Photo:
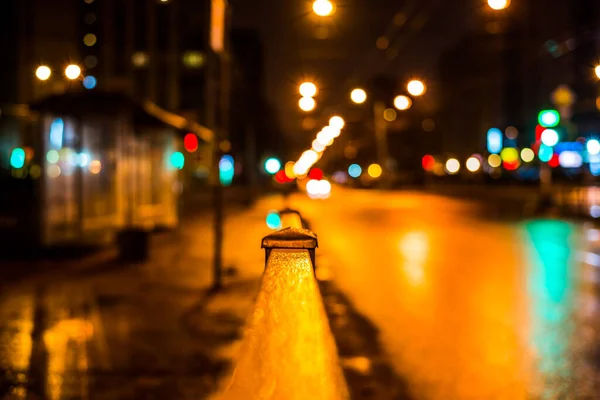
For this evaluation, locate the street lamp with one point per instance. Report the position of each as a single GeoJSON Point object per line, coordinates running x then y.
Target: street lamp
{"type": "Point", "coordinates": [308, 89]}
{"type": "Point", "coordinates": [358, 96]}
{"type": "Point", "coordinates": [416, 87]}
{"type": "Point", "coordinates": [402, 102]}
{"type": "Point", "coordinates": [323, 8]}
{"type": "Point", "coordinates": [498, 5]}
{"type": "Point", "coordinates": [43, 72]}
{"type": "Point", "coordinates": [72, 71]}
{"type": "Point", "coordinates": [337, 122]}
{"type": "Point", "coordinates": [307, 104]}
{"type": "Point", "coordinates": [597, 70]}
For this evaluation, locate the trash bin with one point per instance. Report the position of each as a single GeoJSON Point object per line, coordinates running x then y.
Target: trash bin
{"type": "Point", "coordinates": [134, 245]}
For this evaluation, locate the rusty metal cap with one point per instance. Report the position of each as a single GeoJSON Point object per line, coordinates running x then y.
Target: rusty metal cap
{"type": "Point", "coordinates": [290, 238]}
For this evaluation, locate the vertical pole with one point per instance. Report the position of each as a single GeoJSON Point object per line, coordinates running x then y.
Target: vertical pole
{"type": "Point", "coordinates": [217, 189]}
{"type": "Point", "coordinates": [221, 126]}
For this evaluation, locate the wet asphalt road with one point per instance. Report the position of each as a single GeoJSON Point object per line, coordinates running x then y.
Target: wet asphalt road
{"type": "Point", "coordinates": [468, 306]}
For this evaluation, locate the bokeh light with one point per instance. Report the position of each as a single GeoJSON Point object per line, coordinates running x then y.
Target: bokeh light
{"type": "Point", "coordinates": [43, 72]}
{"type": "Point", "coordinates": [308, 89]}
{"type": "Point", "coordinates": [226, 169]}
{"type": "Point", "coordinates": [312, 186]}
{"type": "Point", "coordinates": [570, 159]}
{"type": "Point", "coordinates": [72, 71]}
{"type": "Point", "coordinates": [323, 8]}
{"type": "Point", "coordinates": [273, 220]}
{"type": "Point", "coordinates": [498, 4]}
{"type": "Point", "coordinates": [354, 170]}
{"type": "Point", "coordinates": [17, 158]}
{"type": "Point", "coordinates": [511, 132]}
{"type": "Point", "coordinates": [494, 160]}
{"type": "Point", "coordinates": [593, 146]}
{"type": "Point", "coordinates": [318, 146]}
{"type": "Point", "coordinates": [452, 166]}
{"type": "Point", "coordinates": [89, 39]}
{"type": "Point", "coordinates": [289, 169]}
{"type": "Point", "coordinates": [549, 118]}
{"type": "Point", "coordinates": [390, 114]}
{"type": "Point", "coordinates": [52, 156]}
{"type": "Point", "coordinates": [325, 137]}
{"type": "Point", "coordinates": [307, 104]}
{"type": "Point", "coordinates": [494, 140]}
{"type": "Point", "coordinates": [428, 162]}
{"type": "Point", "coordinates": [337, 122]}
{"type": "Point", "coordinates": [509, 154]}
{"type": "Point", "coordinates": [177, 160]}
{"type": "Point", "coordinates": [545, 153]}
{"type": "Point", "coordinates": [473, 164]}
{"type": "Point", "coordinates": [95, 167]}
{"type": "Point", "coordinates": [374, 171]}
{"type": "Point", "coordinates": [550, 137]}
{"type": "Point", "coordinates": [416, 87]}
{"type": "Point", "coordinates": [402, 102]}
{"type": "Point", "coordinates": [358, 96]}
{"type": "Point", "coordinates": [597, 71]}
{"type": "Point", "coordinates": [190, 142]}
{"type": "Point", "coordinates": [527, 155]}
{"type": "Point", "coordinates": [315, 173]}
{"type": "Point", "coordinates": [272, 165]}
{"type": "Point", "coordinates": [89, 82]}
{"type": "Point", "coordinates": [53, 171]}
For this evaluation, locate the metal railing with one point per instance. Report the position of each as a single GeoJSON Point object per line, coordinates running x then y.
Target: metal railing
{"type": "Point", "coordinates": [288, 351]}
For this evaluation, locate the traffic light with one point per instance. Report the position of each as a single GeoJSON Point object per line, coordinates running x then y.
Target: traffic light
{"type": "Point", "coordinates": [226, 170]}
{"type": "Point", "coordinates": [190, 142]}
{"type": "Point", "coordinates": [177, 160]}
{"type": "Point", "coordinates": [17, 158]}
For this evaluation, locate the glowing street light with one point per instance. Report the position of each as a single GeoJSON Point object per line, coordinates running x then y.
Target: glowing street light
{"type": "Point", "coordinates": [43, 72]}
{"type": "Point", "coordinates": [498, 5]}
{"type": "Point", "coordinates": [597, 70]}
{"type": "Point", "coordinates": [416, 87]}
{"type": "Point", "coordinates": [72, 71]}
{"type": "Point", "coordinates": [323, 8]}
{"type": "Point", "coordinates": [402, 102]}
{"type": "Point", "coordinates": [473, 164]}
{"type": "Point", "coordinates": [337, 122]}
{"type": "Point", "coordinates": [452, 166]}
{"type": "Point", "coordinates": [308, 89]}
{"type": "Point", "coordinates": [307, 104]}
{"type": "Point", "coordinates": [358, 96]}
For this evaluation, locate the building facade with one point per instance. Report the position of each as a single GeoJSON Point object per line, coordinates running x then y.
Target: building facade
{"type": "Point", "coordinates": [150, 49]}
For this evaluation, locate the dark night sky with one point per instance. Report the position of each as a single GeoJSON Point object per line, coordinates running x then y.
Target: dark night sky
{"type": "Point", "coordinates": [349, 55]}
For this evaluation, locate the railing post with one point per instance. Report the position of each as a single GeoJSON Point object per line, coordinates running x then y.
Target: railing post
{"type": "Point", "coordinates": [291, 238]}
{"type": "Point", "coordinates": [288, 351]}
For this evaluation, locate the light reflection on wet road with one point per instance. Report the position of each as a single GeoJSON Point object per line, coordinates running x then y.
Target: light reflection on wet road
{"type": "Point", "coordinates": [468, 307]}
